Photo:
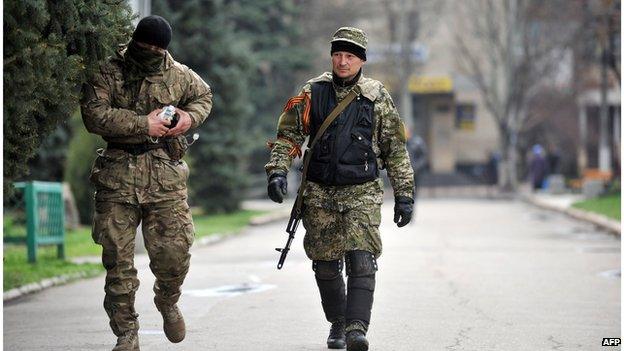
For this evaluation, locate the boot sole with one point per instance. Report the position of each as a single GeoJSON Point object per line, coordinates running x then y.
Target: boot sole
{"type": "Point", "coordinates": [358, 346]}
{"type": "Point", "coordinates": [174, 339]}
{"type": "Point", "coordinates": [336, 345]}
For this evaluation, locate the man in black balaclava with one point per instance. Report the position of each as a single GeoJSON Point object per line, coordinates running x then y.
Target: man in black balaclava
{"type": "Point", "coordinates": [140, 177]}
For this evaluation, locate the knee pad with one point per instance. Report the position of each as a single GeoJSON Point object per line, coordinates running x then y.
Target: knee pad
{"type": "Point", "coordinates": [327, 270]}
{"type": "Point", "coordinates": [360, 263]}
{"type": "Point", "coordinates": [361, 268]}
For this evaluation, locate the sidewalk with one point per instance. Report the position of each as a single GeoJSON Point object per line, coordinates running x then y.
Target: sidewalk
{"type": "Point", "coordinates": [468, 274]}
{"type": "Point", "coordinates": [563, 203]}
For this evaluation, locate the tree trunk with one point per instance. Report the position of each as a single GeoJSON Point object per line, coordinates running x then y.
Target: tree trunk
{"type": "Point", "coordinates": [405, 104]}
{"type": "Point", "coordinates": [508, 179]}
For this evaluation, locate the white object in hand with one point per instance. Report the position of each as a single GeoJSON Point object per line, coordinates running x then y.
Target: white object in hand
{"type": "Point", "coordinates": [167, 113]}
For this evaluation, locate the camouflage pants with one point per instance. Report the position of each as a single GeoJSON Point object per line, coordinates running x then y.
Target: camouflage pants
{"type": "Point", "coordinates": [331, 233]}
{"type": "Point", "coordinates": [168, 234]}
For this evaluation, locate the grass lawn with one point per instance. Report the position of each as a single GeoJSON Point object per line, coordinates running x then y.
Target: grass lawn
{"type": "Point", "coordinates": [18, 272]}
{"type": "Point", "coordinates": [223, 223]}
{"type": "Point", "coordinates": [608, 205]}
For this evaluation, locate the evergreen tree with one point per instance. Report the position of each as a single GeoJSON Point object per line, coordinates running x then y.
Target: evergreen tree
{"type": "Point", "coordinates": [49, 161]}
{"type": "Point", "coordinates": [279, 54]}
{"type": "Point", "coordinates": [49, 46]}
{"type": "Point", "coordinates": [80, 151]}
{"type": "Point", "coordinates": [204, 40]}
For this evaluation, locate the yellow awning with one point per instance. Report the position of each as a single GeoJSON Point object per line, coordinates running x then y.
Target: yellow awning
{"type": "Point", "coordinates": [430, 85]}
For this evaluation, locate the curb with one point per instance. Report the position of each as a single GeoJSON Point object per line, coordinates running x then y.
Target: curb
{"type": "Point", "coordinates": [601, 221]}
{"type": "Point", "coordinates": [66, 278]}
{"type": "Point", "coordinates": [271, 217]}
{"type": "Point", "coordinates": [47, 283]}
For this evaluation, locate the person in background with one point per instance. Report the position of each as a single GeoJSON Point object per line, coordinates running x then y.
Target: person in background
{"type": "Point", "coordinates": [538, 167]}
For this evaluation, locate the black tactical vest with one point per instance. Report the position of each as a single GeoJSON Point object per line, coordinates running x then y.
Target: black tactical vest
{"type": "Point", "coordinates": [344, 155]}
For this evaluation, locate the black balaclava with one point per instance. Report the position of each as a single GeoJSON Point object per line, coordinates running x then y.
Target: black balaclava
{"type": "Point", "coordinates": [153, 30]}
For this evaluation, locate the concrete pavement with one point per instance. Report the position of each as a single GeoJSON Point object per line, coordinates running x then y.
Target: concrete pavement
{"type": "Point", "coordinates": [563, 203]}
{"type": "Point", "coordinates": [468, 275]}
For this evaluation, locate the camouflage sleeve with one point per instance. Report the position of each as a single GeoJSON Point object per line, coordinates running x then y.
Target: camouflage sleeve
{"type": "Point", "coordinates": [102, 119]}
{"type": "Point", "coordinates": [393, 151]}
{"type": "Point", "coordinates": [197, 99]}
{"type": "Point", "coordinates": [290, 136]}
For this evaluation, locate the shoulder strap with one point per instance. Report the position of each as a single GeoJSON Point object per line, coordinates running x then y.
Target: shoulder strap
{"type": "Point", "coordinates": [306, 158]}
{"type": "Point", "coordinates": [333, 115]}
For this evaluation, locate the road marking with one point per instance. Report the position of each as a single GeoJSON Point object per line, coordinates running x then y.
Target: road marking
{"type": "Point", "coordinates": [229, 290]}
{"type": "Point", "coordinates": [151, 332]}
{"type": "Point", "coordinates": [613, 273]}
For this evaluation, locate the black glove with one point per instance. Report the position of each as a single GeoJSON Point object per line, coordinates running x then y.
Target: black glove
{"type": "Point", "coordinates": [277, 187]}
{"type": "Point", "coordinates": [403, 208]}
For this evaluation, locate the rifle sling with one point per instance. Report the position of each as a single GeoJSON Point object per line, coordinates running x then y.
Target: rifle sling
{"type": "Point", "coordinates": [306, 159]}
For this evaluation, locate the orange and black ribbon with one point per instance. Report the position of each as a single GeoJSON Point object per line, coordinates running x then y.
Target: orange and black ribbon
{"type": "Point", "coordinates": [305, 119]}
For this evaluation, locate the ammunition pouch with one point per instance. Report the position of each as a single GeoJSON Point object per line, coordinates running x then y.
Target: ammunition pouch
{"type": "Point", "coordinates": [176, 147]}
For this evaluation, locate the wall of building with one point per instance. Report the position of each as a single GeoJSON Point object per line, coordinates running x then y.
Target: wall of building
{"type": "Point", "coordinates": [141, 7]}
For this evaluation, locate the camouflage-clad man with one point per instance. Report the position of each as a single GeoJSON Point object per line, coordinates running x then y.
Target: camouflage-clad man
{"type": "Point", "coordinates": [343, 194]}
{"type": "Point", "coordinates": [139, 177]}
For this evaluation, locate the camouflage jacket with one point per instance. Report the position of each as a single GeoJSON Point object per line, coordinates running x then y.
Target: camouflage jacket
{"type": "Point", "coordinates": [388, 144]}
{"type": "Point", "coordinates": [119, 114]}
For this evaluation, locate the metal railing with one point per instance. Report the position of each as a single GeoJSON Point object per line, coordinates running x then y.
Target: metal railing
{"type": "Point", "coordinates": [45, 217]}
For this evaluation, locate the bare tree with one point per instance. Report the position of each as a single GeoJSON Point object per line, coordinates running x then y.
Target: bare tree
{"type": "Point", "coordinates": [408, 21]}
{"type": "Point", "coordinates": [508, 48]}
{"type": "Point", "coordinates": [319, 20]}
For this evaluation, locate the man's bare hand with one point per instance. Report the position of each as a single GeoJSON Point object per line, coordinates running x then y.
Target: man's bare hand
{"type": "Point", "coordinates": [184, 123]}
{"type": "Point", "coordinates": [157, 127]}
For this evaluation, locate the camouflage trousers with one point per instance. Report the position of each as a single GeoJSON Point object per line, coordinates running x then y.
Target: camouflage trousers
{"type": "Point", "coordinates": [147, 189]}
{"type": "Point", "coordinates": [168, 234]}
{"type": "Point", "coordinates": [329, 234]}
{"type": "Point", "coordinates": [338, 219]}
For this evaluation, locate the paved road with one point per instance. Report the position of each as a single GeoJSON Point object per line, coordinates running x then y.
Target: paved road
{"type": "Point", "coordinates": [469, 275]}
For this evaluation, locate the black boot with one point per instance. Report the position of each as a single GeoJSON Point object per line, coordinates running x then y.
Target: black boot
{"type": "Point", "coordinates": [331, 285]}
{"type": "Point", "coordinates": [361, 268]}
{"type": "Point", "coordinates": [356, 341]}
{"type": "Point", "coordinates": [336, 339]}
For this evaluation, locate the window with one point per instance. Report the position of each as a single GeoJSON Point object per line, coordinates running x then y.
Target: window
{"type": "Point", "coordinates": [465, 116]}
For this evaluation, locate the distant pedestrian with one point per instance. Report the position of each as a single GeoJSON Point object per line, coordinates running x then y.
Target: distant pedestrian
{"type": "Point", "coordinates": [418, 156]}
{"type": "Point", "coordinates": [554, 159]}
{"type": "Point", "coordinates": [491, 169]}
{"type": "Point", "coordinates": [538, 167]}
